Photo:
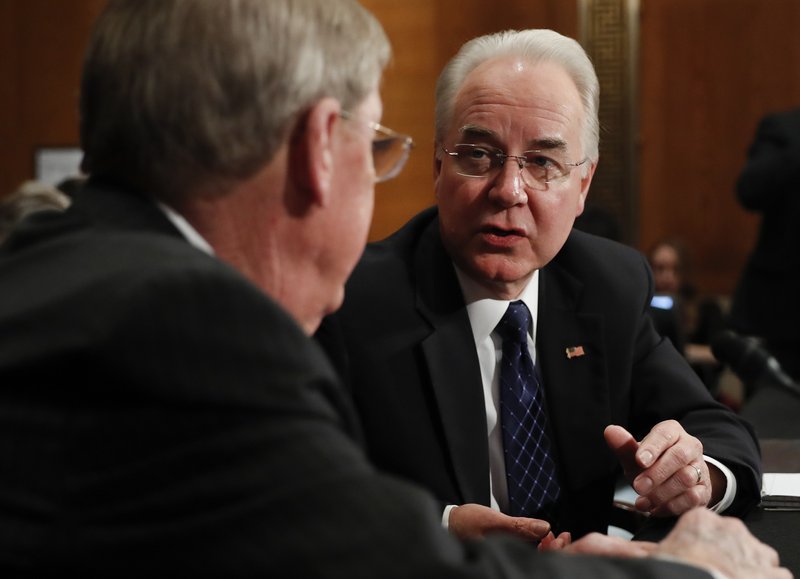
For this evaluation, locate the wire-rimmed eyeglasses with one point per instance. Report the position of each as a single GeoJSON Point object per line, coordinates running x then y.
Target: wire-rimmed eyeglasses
{"type": "Point", "coordinates": [539, 168]}
{"type": "Point", "coordinates": [390, 149]}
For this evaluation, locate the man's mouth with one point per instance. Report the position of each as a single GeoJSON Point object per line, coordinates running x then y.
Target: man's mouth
{"type": "Point", "coordinates": [500, 232]}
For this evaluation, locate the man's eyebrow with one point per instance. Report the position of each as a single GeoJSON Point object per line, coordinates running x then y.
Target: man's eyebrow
{"type": "Point", "coordinates": [547, 144]}
{"type": "Point", "coordinates": [475, 132]}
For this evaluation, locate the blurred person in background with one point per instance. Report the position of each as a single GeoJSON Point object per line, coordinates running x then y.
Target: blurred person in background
{"type": "Point", "coordinates": [766, 303]}
{"type": "Point", "coordinates": [681, 312]}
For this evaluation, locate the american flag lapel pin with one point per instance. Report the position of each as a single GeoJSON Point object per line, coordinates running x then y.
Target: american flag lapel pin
{"type": "Point", "coordinates": [574, 352]}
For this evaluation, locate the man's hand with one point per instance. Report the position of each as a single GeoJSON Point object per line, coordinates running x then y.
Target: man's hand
{"type": "Point", "coordinates": [473, 521]}
{"type": "Point", "coordinates": [601, 545]}
{"type": "Point", "coordinates": [700, 538]}
{"type": "Point", "coordinates": [666, 468]}
{"type": "Point", "coordinates": [722, 544]}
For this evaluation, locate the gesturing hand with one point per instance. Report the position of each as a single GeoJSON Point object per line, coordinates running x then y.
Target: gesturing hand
{"type": "Point", "coordinates": [666, 468]}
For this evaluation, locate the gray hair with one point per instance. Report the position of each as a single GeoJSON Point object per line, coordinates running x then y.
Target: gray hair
{"type": "Point", "coordinates": [179, 95]}
{"type": "Point", "coordinates": [534, 46]}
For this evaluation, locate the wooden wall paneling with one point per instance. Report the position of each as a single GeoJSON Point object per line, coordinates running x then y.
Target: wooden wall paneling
{"type": "Point", "coordinates": [709, 70]}
{"type": "Point", "coordinates": [11, 155]}
{"type": "Point", "coordinates": [44, 42]}
{"type": "Point", "coordinates": [609, 35]}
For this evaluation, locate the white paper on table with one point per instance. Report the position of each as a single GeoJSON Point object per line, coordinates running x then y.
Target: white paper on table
{"type": "Point", "coordinates": [786, 484]}
{"type": "Point", "coordinates": [781, 491]}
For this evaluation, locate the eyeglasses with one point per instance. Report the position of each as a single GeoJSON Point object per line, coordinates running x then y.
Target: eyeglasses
{"type": "Point", "coordinates": [539, 168]}
{"type": "Point", "coordinates": [390, 149]}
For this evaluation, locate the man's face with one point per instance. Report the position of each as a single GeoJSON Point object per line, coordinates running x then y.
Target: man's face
{"type": "Point", "coordinates": [497, 228]}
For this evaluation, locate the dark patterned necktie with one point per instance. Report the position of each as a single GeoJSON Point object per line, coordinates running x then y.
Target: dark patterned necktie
{"type": "Point", "coordinates": [530, 470]}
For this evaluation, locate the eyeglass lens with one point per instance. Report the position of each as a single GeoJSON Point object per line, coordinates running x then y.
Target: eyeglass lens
{"type": "Point", "coordinates": [390, 150]}
{"type": "Point", "coordinates": [389, 154]}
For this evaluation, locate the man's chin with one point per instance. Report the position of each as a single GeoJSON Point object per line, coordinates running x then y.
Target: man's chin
{"type": "Point", "coordinates": [503, 279]}
{"type": "Point", "coordinates": [502, 269]}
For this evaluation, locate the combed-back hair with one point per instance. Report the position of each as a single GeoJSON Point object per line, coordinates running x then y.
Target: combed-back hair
{"type": "Point", "coordinates": [532, 46]}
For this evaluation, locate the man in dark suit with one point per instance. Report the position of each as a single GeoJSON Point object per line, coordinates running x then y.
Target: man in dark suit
{"type": "Point", "coordinates": [162, 408]}
{"type": "Point", "coordinates": [419, 334]}
{"type": "Point", "coordinates": [766, 302]}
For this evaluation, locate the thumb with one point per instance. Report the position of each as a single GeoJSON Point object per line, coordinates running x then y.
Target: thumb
{"type": "Point", "coordinates": [624, 446]}
{"type": "Point", "coordinates": [530, 529]}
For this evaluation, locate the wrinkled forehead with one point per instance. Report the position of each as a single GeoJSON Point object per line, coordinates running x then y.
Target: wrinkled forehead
{"type": "Point", "coordinates": [510, 97]}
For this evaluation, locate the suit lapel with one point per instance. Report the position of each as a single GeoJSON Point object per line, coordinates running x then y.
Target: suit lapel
{"type": "Point", "coordinates": [453, 366]}
{"type": "Point", "coordinates": [576, 385]}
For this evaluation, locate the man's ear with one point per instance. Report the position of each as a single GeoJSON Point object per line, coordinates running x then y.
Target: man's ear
{"type": "Point", "coordinates": [312, 152]}
{"type": "Point", "coordinates": [437, 161]}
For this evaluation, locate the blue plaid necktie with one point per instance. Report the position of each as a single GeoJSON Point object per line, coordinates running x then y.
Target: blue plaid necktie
{"type": "Point", "coordinates": [530, 470]}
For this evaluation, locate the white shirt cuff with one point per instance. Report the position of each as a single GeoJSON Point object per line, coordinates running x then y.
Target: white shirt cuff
{"type": "Point", "coordinates": [446, 516]}
{"type": "Point", "coordinates": [730, 487]}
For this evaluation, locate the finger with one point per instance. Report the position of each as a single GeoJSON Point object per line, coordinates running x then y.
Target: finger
{"type": "Point", "coordinates": [564, 538]}
{"type": "Point", "coordinates": [679, 493]}
{"type": "Point", "coordinates": [624, 445]}
{"type": "Point", "coordinates": [677, 505]}
{"type": "Point", "coordinates": [692, 477]}
{"type": "Point", "coordinates": [659, 439]}
{"type": "Point", "coordinates": [686, 450]}
{"type": "Point", "coordinates": [552, 543]}
{"type": "Point", "coordinates": [529, 529]}
{"type": "Point", "coordinates": [546, 541]}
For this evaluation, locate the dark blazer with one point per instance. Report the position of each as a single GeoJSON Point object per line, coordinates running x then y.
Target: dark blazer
{"type": "Point", "coordinates": [160, 416]}
{"type": "Point", "coordinates": [404, 343]}
{"type": "Point", "coordinates": [767, 300]}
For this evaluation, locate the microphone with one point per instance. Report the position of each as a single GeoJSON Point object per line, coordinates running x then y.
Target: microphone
{"type": "Point", "coordinates": [751, 362]}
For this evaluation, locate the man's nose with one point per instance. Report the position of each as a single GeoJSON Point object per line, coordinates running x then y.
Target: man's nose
{"type": "Point", "coordinates": [508, 188]}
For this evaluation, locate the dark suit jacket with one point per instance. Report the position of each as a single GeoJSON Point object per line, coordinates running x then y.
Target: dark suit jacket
{"type": "Point", "coordinates": [403, 341]}
{"type": "Point", "coordinates": [160, 416]}
{"type": "Point", "coordinates": [767, 299]}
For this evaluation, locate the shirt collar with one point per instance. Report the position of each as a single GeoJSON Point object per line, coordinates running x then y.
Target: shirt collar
{"type": "Point", "coordinates": [485, 312]}
{"type": "Point", "coordinates": [186, 229]}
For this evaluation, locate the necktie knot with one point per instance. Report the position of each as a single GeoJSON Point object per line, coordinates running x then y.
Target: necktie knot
{"type": "Point", "coordinates": [513, 326]}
